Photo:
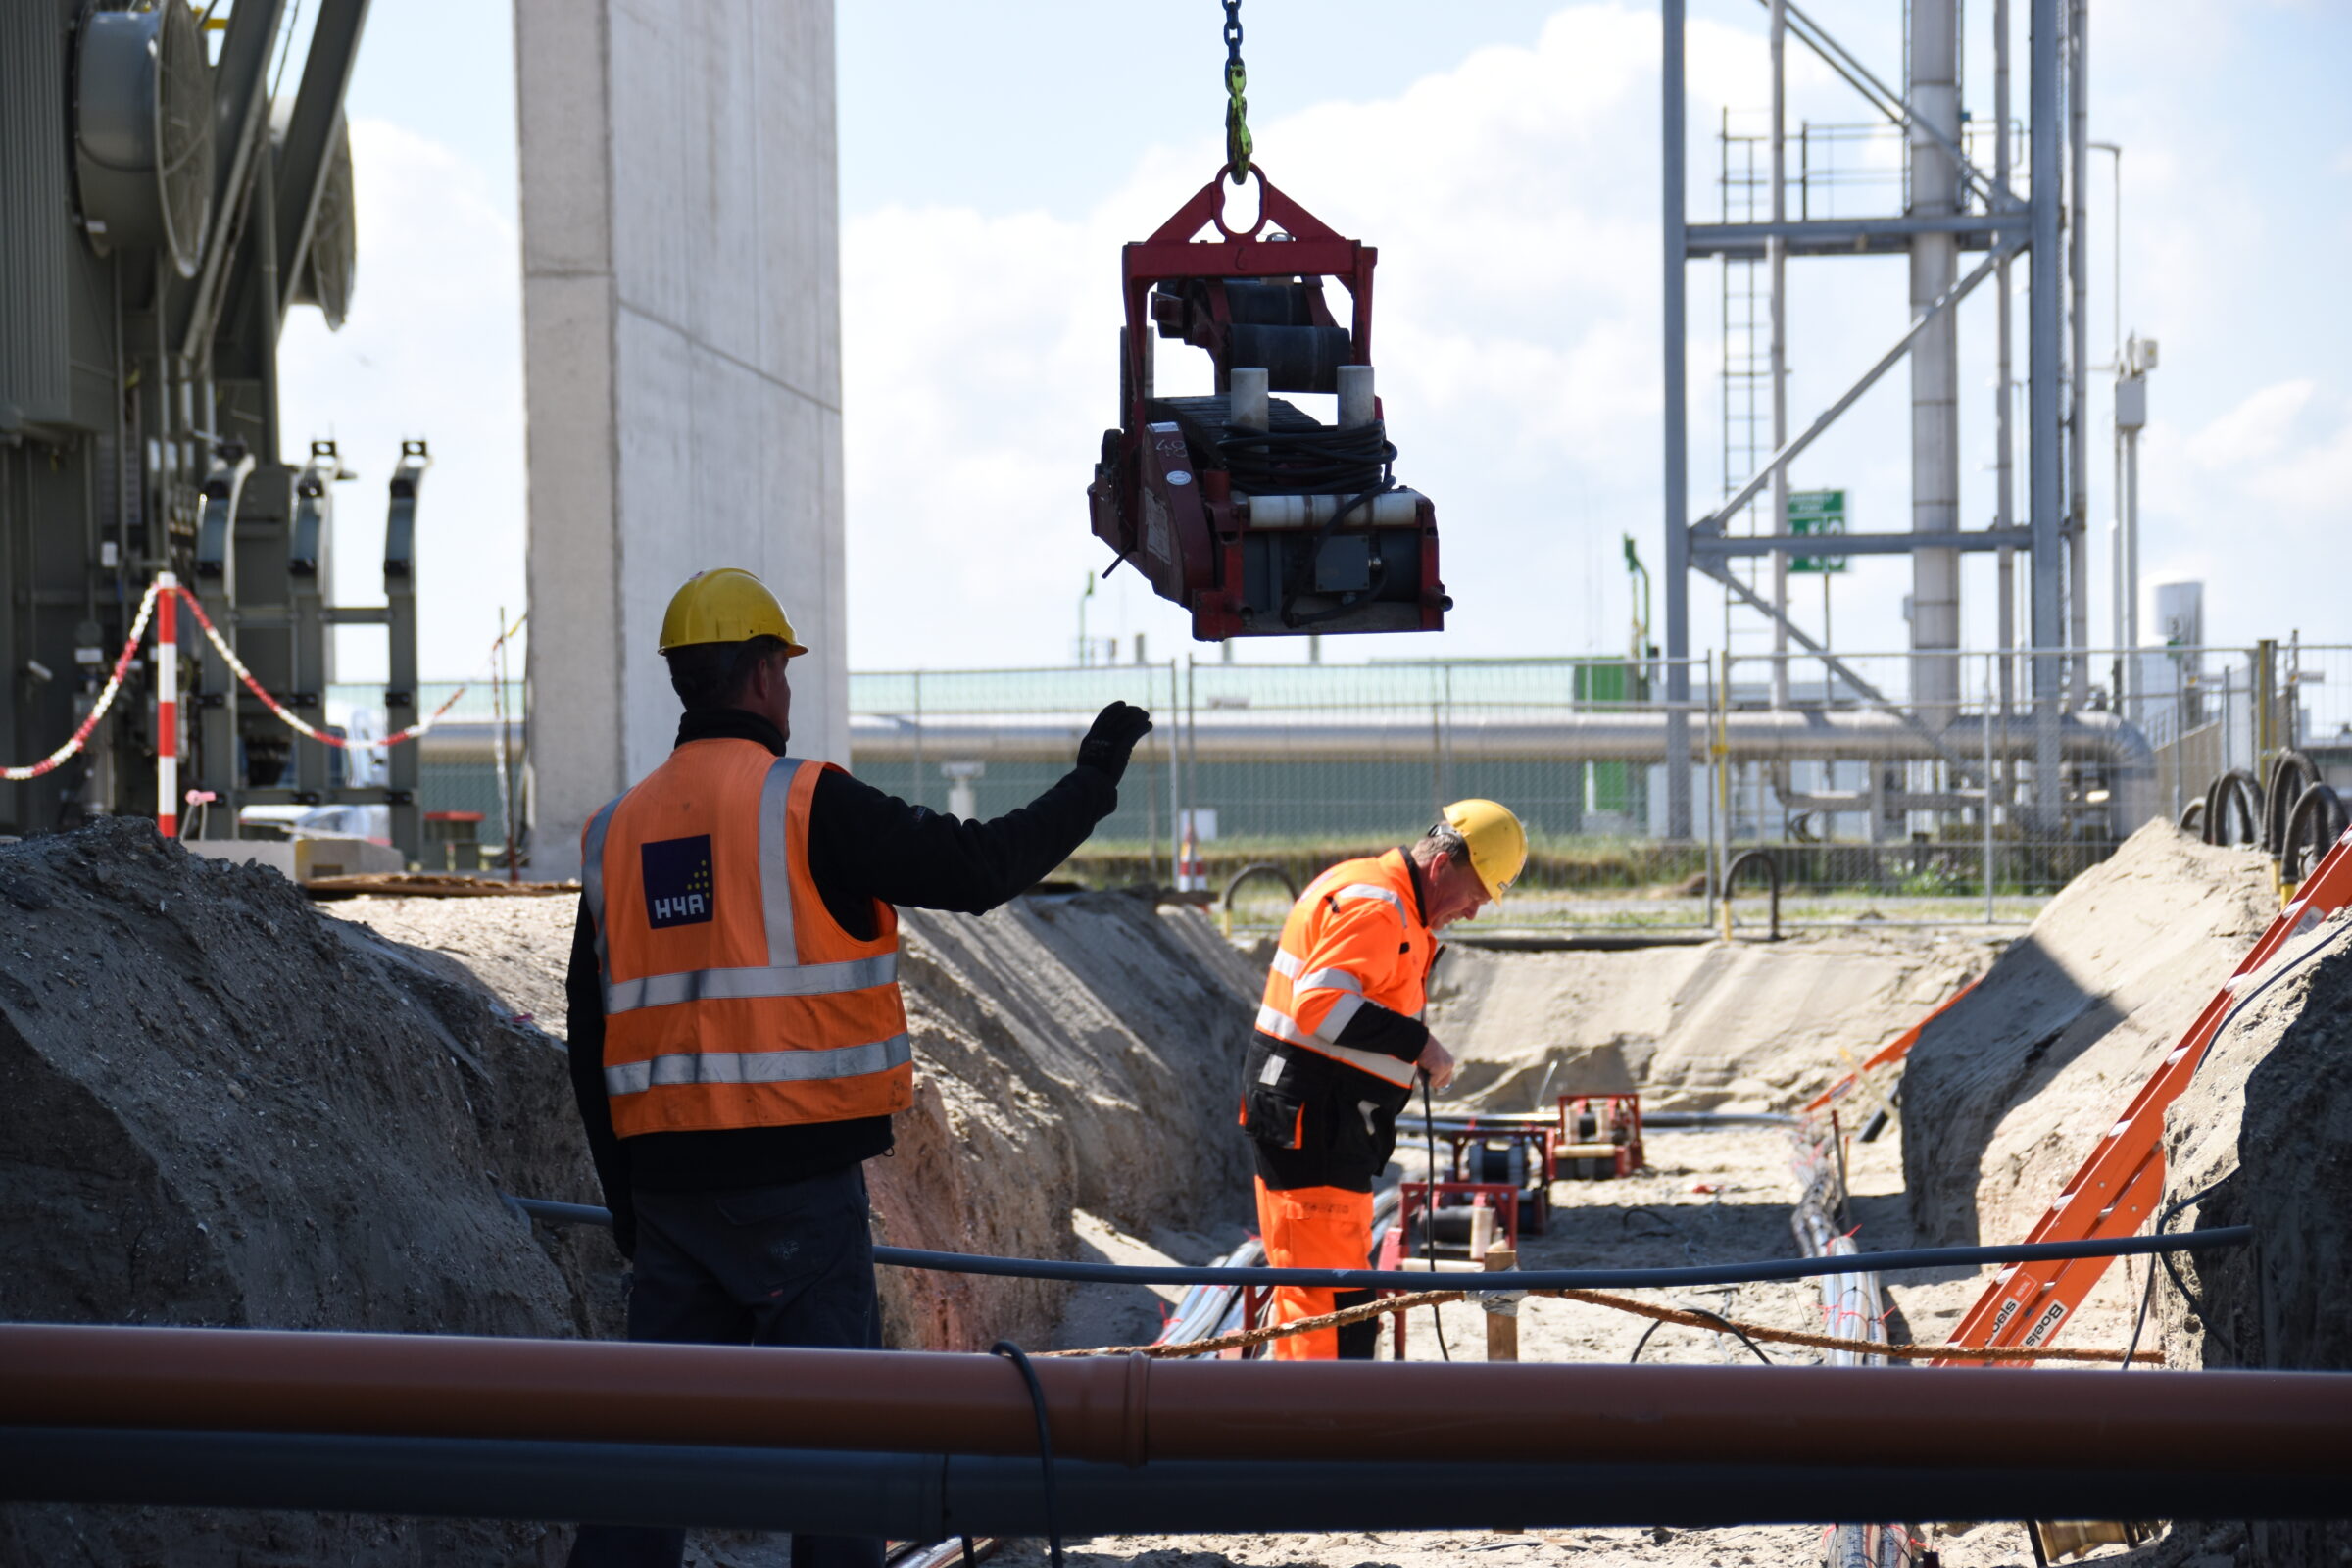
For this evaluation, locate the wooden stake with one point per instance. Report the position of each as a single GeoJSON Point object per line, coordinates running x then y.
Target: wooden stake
{"type": "Point", "coordinates": [1502, 1332]}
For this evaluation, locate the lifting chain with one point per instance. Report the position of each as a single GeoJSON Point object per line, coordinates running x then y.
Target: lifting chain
{"type": "Point", "coordinates": [1237, 108]}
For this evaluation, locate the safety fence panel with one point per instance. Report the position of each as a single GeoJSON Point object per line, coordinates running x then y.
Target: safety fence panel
{"type": "Point", "coordinates": [1936, 786]}
{"type": "Point", "coordinates": [1292, 767]}
{"type": "Point", "coordinates": [979, 743]}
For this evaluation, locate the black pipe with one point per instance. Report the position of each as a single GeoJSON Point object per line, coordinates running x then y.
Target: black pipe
{"type": "Point", "coordinates": [934, 1497]}
{"type": "Point", "coordinates": [2235, 794]}
{"type": "Point", "coordinates": [1672, 1120]}
{"type": "Point", "coordinates": [2318, 808]}
{"type": "Point", "coordinates": [1504, 1123]}
{"type": "Point", "coordinates": [1584, 1279]}
{"type": "Point", "coordinates": [2291, 773]}
{"type": "Point", "coordinates": [1772, 872]}
{"type": "Point", "coordinates": [1258, 868]}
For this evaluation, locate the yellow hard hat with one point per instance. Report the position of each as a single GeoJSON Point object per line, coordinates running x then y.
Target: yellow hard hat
{"type": "Point", "coordinates": [726, 604]}
{"type": "Point", "coordinates": [1497, 842]}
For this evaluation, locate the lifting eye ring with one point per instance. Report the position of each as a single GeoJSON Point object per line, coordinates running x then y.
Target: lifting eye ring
{"type": "Point", "coordinates": [1216, 213]}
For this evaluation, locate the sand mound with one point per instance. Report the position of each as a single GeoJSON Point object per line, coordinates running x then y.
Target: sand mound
{"type": "Point", "coordinates": [519, 948]}
{"type": "Point", "coordinates": [2005, 1094]}
{"type": "Point", "coordinates": [1744, 1026]}
{"type": "Point", "coordinates": [1072, 1053]}
{"type": "Point", "coordinates": [2266, 1132]}
{"type": "Point", "coordinates": [2266, 1129]}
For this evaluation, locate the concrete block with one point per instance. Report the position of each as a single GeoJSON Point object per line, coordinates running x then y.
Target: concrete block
{"type": "Point", "coordinates": [301, 859]}
{"type": "Point", "coordinates": [682, 360]}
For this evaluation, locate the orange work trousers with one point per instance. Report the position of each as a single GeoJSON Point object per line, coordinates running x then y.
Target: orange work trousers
{"type": "Point", "coordinates": [1311, 1227]}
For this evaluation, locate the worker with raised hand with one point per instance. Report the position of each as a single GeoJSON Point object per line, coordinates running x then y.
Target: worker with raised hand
{"type": "Point", "coordinates": [1340, 1044]}
{"type": "Point", "coordinates": [738, 1042]}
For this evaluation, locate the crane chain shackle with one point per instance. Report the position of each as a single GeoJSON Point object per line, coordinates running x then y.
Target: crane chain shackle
{"type": "Point", "coordinates": [1238, 146]}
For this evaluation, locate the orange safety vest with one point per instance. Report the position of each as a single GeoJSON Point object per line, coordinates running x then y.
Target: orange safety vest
{"type": "Point", "coordinates": [1354, 936]}
{"type": "Point", "coordinates": [732, 996]}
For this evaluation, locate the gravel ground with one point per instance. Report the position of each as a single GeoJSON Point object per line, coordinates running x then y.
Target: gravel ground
{"type": "Point", "coordinates": [1708, 1196]}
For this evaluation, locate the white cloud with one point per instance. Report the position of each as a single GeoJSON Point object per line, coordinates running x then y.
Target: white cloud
{"type": "Point", "coordinates": [433, 348]}
{"type": "Point", "coordinates": [2288, 447]}
{"type": "Point", "coordinates": [2257, 429]}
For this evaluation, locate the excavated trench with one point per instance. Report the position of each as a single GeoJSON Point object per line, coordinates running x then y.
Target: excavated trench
{"type": "Point", "coordinates": [221, 1105]}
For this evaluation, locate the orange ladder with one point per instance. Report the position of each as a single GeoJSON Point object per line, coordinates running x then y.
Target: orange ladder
{"type": "Point", "coordinates": [2121, 1183]}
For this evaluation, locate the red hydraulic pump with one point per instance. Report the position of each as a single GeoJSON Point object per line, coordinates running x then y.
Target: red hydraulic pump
{"type": "Point", "coordinates": [1238, 504]}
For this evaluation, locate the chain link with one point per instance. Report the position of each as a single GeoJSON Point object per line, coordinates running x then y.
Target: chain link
{"type": "Point", "coordinates": [1238, 146]}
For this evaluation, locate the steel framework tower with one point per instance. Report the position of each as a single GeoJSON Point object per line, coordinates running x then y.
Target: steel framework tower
{"type": "Point", "coordinates": [1953, 208]}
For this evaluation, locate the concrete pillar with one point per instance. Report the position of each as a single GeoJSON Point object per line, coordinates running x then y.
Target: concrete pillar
{"type": "Point", "coordinates": [682, 365]}
{"type": "Point", "coordinates": [1932, 88]}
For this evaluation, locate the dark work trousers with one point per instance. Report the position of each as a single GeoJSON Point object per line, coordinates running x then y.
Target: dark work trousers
{"type": "Point", "coordinates": [791, 1264]}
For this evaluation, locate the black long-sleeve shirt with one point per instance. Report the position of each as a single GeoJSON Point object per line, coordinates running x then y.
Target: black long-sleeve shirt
{"type": "Point", "coordinates": [863, 845]}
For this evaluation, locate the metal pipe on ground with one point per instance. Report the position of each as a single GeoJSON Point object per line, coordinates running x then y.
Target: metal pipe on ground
{"type": "Point", "coordinates": [1133, 1410]}
{"type": "Point", "coordinates": [1347, 1279]}
{"type": "Point", "coordinates": [933, 1496]}
{"type": "Point", "coordinates": [1676, 1120]}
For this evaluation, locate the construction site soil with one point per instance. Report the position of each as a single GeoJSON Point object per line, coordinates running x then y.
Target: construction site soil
{"type": "Point", "coordinates": [221, 1105]}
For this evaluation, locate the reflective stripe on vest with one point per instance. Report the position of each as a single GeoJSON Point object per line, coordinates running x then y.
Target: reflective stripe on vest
{"type": "Point", "coordinates": [758, 1066]}
{"type": "Point", "coordinates": [1378, 1065]}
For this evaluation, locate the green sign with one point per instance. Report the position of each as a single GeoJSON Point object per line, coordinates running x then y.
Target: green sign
{"type": "Point", "coordinates": [1816, 512]}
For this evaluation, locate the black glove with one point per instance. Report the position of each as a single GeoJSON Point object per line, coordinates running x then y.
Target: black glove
{"type": "Point", "coordinates": [1117, 730]}
{"type": "Point", "coordinates": [624, 1231]}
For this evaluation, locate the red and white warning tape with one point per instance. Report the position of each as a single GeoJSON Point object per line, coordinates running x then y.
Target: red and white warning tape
{"type": "Point", "coordinates": [296, 722]}
{"type": "Point", "coordinates": [161, 602]}
{"type": "Point", "coordinates": [105, 698]}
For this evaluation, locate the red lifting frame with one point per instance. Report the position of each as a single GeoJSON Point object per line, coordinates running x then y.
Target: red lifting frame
{"type": "Point", "coordinates": [1171, 253]}
{"type": "Point", "coordinates": [1205, 569]}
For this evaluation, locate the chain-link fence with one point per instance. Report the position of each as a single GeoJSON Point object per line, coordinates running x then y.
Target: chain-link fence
{"type": "Point", "coordinates": [1293, 767]}
{"type": "Point", "coordinates": [1900, 788]}
{"type": "Point", "coordinates": [1861, 783]}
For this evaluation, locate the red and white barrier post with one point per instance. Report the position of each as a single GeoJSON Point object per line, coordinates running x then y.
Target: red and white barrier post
{"type": "Point", "coordinates": [167, 705]}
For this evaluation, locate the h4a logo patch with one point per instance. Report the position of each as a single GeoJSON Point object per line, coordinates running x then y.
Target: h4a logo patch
{"type": "Point", "coordinates": [677, 881]}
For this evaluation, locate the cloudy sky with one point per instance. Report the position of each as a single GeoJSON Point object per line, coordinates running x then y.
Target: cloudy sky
{"type": "Point", "coordinates": [1503, 157]}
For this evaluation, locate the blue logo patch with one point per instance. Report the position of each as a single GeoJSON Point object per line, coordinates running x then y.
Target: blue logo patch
{"type": "Point", "coordinates": [677, 881]}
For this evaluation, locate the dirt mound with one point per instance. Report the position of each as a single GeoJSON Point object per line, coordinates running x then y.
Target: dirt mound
{"type": "Point", "coordinates": [2005, 1094]}
{"type": "Point", "coordinates": [1072, 1053]}
{"type": "Point", "coordinates": [1742, 1026]}
{"type": "Point", "coordinates": [2265, 1131]}
{"type": "Point", "coordinates": [518, 948]}
{"type": "Point", "coordinates": [218, 1107]}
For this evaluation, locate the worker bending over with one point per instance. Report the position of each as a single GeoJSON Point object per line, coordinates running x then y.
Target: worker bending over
{"type": "Point", "coordinates": [738, 1042]}
{"type": "Point", "coordinates": [1339, 1045]}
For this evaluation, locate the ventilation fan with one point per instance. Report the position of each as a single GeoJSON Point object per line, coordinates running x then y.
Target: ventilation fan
{"type": "Point", "coordinates": [323, 275]}
{"type": "Point", "coordinates": [143, 132]}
